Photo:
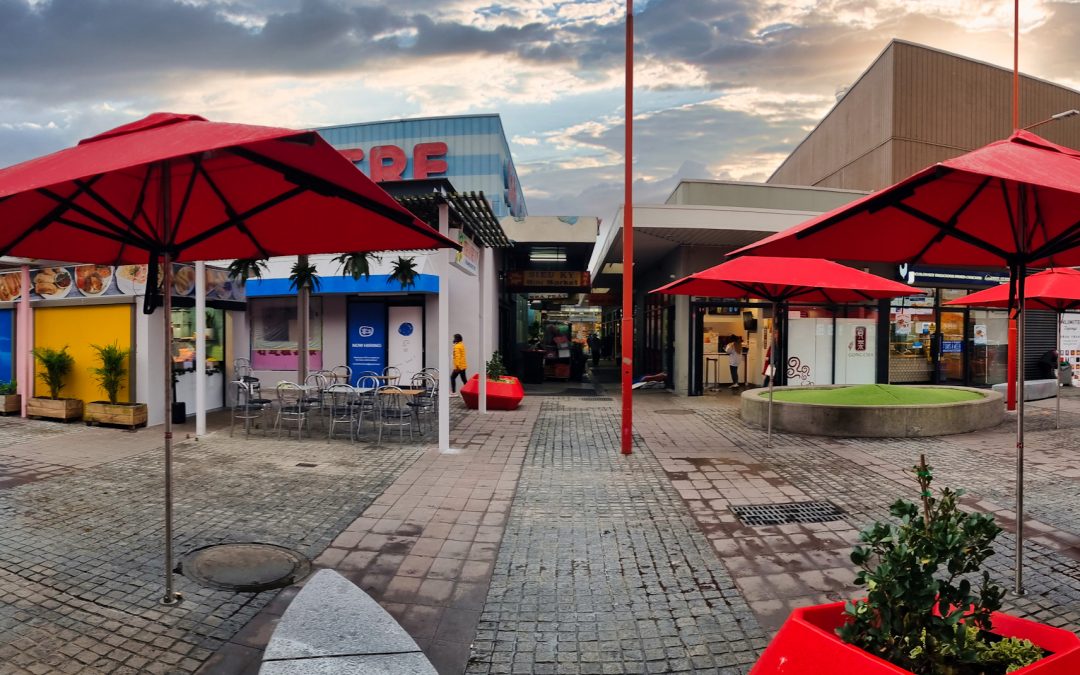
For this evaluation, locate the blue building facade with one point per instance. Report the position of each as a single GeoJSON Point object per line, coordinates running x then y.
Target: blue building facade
{"type": "Point", "coordinates": [471, 151]}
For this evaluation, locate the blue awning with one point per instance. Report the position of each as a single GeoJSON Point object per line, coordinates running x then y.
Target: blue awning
{"type": "Point", "coordinates": [378, 284]}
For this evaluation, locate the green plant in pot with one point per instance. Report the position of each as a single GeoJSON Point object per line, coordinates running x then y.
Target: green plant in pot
{"type": "Point", "coordinates": [110, 376]}
{"type": "Point", "coordinates": [10, 401]}
{"type": "Point", "coordinates": [928, 599]}
{"type": "Point", "coordinates": [496, 369]}
{"type": "Point", "coordinates": [403, 272]}
{"type": "Point", "coordinates": [56, 365]}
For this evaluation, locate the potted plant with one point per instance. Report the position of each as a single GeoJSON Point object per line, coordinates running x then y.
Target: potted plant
{"type": "Point", "coordinates": [927, 610]}
{"type": "Point", "coordinates": [57, 365]}
{"type": "Point", "coordinates": [403, 272]}
{"type": "Point", "coordinates": [504, 391]}
{"type": "Point", "coordinates": [10, 401]}
{"type": "Point", "coordinates": [110, 377]}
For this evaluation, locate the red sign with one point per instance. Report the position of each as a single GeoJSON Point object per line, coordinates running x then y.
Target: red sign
{"type": "Point", "coordinates": [860, 338]}
{"type": "Point", "coordinates": [388, 162]}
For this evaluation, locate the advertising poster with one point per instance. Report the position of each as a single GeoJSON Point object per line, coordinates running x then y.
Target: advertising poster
{"type": "Point", "coordinates": [367, 338]}
{"type": "Point", "coordinates": [1070, 344]}
{"type": "Point", "coordinates": [95, 281]}
{"type": "Point", "coordinates": [979, 334]}
{"type": "Point", "coordinates": [405, 340]}
{"type": "Point", "coordinates": [856, 351]}
{"type": "Point", "coordinates": [902, 322]}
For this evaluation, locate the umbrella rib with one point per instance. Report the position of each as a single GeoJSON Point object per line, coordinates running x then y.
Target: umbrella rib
{"type": "Point", "coordinates": [1040, 222]}
{"type": "Point", "coordinates": [956, 234]}
{"type": "Point", "coordinates": [953, 220]}
{"type": "Point", "coordinates": [231, 212]}
{"type": "Point", "coordinates": [91, 230]}
{"type": "Point", "coordinates": [196, 162]}
{"type": "Point", "coordinates": [131, 226]}
{"type": "Point", "coordinates": [255, 210]}
{"type": "Point", "coordinates": [42, 222]}
{"type": "Point", "coordinates": [1063, 241]}
{"type": "Point", "coordinates": [1017, 237]}
{"type": "Point", "coordinates": [137, 210]}
{"type": "Point", "coordinates": [70, 205]}
{"type": "Point", "coordinates": [325, 187]}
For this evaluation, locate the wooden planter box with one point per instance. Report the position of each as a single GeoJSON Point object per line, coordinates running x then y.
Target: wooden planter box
{"type": "Point", "coordinates": [10, 403]}
{"type": "Point", "coordinates": [59, 409]}
{"type": "Point", "coordinates": [807, 644]}
{"type": "Point", "coordinates": [129, 415]}
{"type": "Point", "coordinates": [504, 395]}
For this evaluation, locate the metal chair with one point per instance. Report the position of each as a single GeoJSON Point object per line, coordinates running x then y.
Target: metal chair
{"type": "Point", "coordinates": [425, 404]}
{"type": "Point", "coordinates": [246, 408]}
{"type": "Point", "coordinates": [342, 403]}
{"type": "Point", "coordinates": [342, 374]}
{"type": "Point", "coordinates": [367, 403]}
{"type": "Point", "coordinates": [392, 373]}
{"type": "Point", "coordinates": [315, 386]}
{"type": "Point", "coordinates": [393, 411]}
{"type": "Point", "coordinates": [291, 407]}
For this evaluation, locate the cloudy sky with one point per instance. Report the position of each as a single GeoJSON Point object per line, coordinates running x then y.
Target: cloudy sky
{"type": "Point", "coordinates": [725, 88]}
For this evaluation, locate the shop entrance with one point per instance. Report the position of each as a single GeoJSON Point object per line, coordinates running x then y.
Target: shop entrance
{"type": "Point", "coordinates": [715, 326]}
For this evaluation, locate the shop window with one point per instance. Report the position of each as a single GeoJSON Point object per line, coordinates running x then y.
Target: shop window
{"type": "Point", "coordinates": [989, 341]}
{"type": "Point", "coordinates": [275, 333]}
{"type": "Point", "coordinates": [183, 344]}
{"type": "Point", "coordinates": [911, 338]}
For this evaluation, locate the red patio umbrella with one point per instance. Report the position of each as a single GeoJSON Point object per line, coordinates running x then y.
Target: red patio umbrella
{"type": "Point", "coordinates": [1056, 289]}
{"type": "Point", "coordinates": [1012, 203]}
{"type": "Point", "coordinates": [783, 280]}
{"type": "Point", "coordinates": [172, 187]}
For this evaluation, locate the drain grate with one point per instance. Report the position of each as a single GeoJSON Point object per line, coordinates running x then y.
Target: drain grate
{"type": "Point", "coordinates": [596, 399]}
{"type": "Point", "coordinates": [781, 514]}
{"type": "Point", "coordinates": [306, 465]}
{"type": "Point", "coordinates": [674, 411]}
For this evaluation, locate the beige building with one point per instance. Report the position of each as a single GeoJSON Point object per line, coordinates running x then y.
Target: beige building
{"type": "Point", "coordinates": [915, 106]}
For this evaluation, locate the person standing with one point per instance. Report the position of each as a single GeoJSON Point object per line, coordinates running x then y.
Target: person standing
{"type": "Point", "coordinates": [594, 348]}
{"type": "Point", "coordinates": [734, 354]}
{"type": "Point", "coordinates": [459, 364]}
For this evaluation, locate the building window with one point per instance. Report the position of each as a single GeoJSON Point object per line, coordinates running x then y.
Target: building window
{"type": "Point", "coordinates": [911, 338]}
{"type": "Point", "coordinates": [275, 333]}
{"type": "Point", "coordinates": [183, 344]}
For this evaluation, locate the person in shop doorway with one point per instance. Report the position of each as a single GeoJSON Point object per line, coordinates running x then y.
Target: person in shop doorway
{"type": "Point", "coordinates": [594, 348]}
{"type": "Point", "coordinates": [459, 364]}
{"type": "Point", "coordinates": [734, 354]}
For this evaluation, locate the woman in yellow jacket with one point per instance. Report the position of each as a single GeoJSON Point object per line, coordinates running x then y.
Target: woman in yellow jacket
{"type": "Point", "coordinates": [459, 363]}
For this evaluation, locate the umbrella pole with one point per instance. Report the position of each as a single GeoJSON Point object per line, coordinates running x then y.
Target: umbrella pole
{"type": "Point", "coordinates": [171, 596]}
{"type": "Point", "coordinates": [1021, 271]}
{"type": "Point", "coordinates": [772, 375]}
{"type": "Point", "coordinates": [1057, 374]}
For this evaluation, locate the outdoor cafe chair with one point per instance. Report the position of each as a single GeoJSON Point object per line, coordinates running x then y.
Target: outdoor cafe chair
{"type": "Point", "coordinates": [292, 408]}
{"type": "Point", "coordinates": [343, 406]}
{"type": "Point", "coordinates": [393, 411]}
{"type": "Point", "coordinates": [391, 374]}
{"type": "Point", "coordinates": [246, 408]}
{"type": "Point", "coordinates": [342, 374]}
{"type": "Point", "coordinates": [424, 405]}
{"type": "Point", "coordinates": [367, 404]}
{"type": "Point", "coordinates": [315, 386]}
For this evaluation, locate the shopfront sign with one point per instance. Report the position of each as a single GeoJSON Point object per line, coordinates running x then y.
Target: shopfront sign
{"type": "Point", "coordinates": [856, 351]}
{"type": "Point", "coordinates": [951, 346]}
{"type": "Point", "coordinates": [932, 276]}
{"type": "Point", "coordinates": [860, 338]}
{"type": "Point", "coordinates": [468, 258]}
{"type": "Point", "coordinates": [390, 162]}
{"type": "Point", "coordinates": [367, 337]}
{"type": "Point", "coordinates": [1070, 344]}
{"type": "Point", "coordinates": [548, 279]}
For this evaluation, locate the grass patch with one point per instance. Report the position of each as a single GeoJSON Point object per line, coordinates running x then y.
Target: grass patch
{"type": "Point", "coordinates": [875, 394]}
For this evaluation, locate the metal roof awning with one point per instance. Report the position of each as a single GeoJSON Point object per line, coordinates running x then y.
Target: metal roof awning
{"type": "Point", "coordinates": [468, 210]}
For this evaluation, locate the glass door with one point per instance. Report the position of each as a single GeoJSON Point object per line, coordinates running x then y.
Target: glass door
{"type": "Point", "coordinates": [952, 347]}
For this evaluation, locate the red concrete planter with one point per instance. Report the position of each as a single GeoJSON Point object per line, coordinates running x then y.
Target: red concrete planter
{"type": "Point", "coordinates": [505, 394]}
{"type": "Point", "coordinates": [807, 644]}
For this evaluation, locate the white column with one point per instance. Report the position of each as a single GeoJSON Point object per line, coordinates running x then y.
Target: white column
{"type": "Point", "coordinates": [24, 341]}
{"type": "Point", "coordinates": [444, 331]}
{"type": "Point", "coordinates": [481, 273]}
{"type": "Point", "coordinates": [200, 349]}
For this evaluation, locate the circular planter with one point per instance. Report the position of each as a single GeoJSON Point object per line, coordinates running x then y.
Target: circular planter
{"type": "Point", "coordinates": [872, 421]}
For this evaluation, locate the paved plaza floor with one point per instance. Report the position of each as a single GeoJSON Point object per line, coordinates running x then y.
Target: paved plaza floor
{"type": "Point", "coordinates": [532, 546]}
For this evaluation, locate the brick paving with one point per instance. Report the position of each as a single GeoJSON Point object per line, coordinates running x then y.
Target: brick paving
{"type": "Point", "coordinates": [602, 569]}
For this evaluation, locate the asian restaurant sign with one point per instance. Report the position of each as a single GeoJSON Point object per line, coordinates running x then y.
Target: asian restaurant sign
{"type": "Point", "coordinates": [548, 279]}
{"type": "Point", "coordinates": [468, 258]}
{"type": "Point", "coordinates": [98, 281]}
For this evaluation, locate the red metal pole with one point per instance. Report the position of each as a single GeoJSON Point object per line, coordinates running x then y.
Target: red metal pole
{"type": "Point", "coordinates": [1010, 392]}
{"type": "Point", "coordinates": [628, 246]}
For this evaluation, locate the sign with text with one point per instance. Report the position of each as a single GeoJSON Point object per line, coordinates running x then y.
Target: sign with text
{"type": "Point", "coordinates": [1070, 344]}
{"type": "Point", "coordinates": [367, 338]}
{"type": "Point", "coordinates": [406, 341]}
{"type": "Point", "coordinates": [549, 279]}
{"type": "Point", "coordinates": [468, 258]}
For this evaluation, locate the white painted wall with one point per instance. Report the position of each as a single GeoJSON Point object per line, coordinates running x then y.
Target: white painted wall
{"type": "Point", "coordinates": [149, 364]}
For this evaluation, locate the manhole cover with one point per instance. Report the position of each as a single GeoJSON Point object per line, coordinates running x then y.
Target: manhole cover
{"type": "Point", "coordinates": [674, 411]}
{"type": "Point", "coordinates": [244, 566]}
{"type": "Point", "coordinates": [780, 514]}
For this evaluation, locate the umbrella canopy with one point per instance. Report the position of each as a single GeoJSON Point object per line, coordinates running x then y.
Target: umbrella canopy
{"type": "Point", "coordinates": [1012, 201]}
{"type": "Point", "coordinates": [180, 188]}
{"type": "Point", "coordinates": [806, 280]}
{"type": "Point", "coordinates": [198, 190]}
{"type": "Point", "coordinates": [1056, 290]}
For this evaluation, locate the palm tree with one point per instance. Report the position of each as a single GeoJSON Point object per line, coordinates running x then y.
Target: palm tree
{"type": "Point", "coordinates": [404, 272]}
{"type": "Point", "coordinates": [243, 269]}
{"type": "Point", "coordinates": [303, 275]}
{"type": "Point", "coordinates": [356, 265]}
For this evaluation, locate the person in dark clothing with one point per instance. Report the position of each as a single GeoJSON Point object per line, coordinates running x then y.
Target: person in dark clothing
{"type": "Point", "coordinates": [594, 348]}
{"type": "Point", "coordinates": [1048, 365]}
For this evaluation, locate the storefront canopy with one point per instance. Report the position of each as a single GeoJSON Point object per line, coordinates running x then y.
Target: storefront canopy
{"type": "Point", "coordinates": [787, 280]}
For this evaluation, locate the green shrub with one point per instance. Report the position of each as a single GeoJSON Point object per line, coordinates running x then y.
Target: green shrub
{"type": "Point", "coordinates": [57, 364]}
{"type": "Point", "coordinates": [921, 610]}
{"type": "Point", "coordinates": [8, 388]}
{"type": "Point", "coordinates": [110, 375]}
{"type": "Point", "coordinates": [496, 370]}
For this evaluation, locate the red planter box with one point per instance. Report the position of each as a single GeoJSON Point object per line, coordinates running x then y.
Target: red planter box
{"type": "Point", "coordinates": [807, 644]}
{"type": "Point", "coordinates": [503, 395]}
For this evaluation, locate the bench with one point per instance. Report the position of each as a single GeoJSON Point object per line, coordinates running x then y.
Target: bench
{"type": "Point", "coordinates": [332, 627]}
{"type": "Point", "coordinates": [1033, 389]}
